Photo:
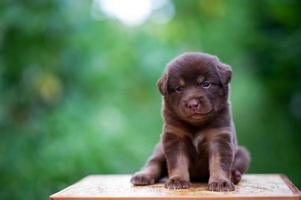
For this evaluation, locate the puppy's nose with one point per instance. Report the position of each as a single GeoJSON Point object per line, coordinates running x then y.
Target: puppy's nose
{"type": "Point", "coordinates": [192, 104]}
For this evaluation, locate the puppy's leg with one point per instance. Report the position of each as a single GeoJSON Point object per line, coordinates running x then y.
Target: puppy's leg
{"type": "Point", "coordinates": [177, 162]}
{"type": "Point", "coordinates": [221, 156]}
{"type": "Point", "coordinates": [241, 164]}
{"type": "Point", "coordinates": [152, 170]}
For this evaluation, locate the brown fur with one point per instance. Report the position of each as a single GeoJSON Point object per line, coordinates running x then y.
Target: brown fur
{"type": "Point", "coordinates": [198, 141]}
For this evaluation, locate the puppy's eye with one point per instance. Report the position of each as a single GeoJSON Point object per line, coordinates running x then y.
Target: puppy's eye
{"type": "Point", "coordinates": [179, 89]}
{"type": "Point", "coordinates": [205, 84]}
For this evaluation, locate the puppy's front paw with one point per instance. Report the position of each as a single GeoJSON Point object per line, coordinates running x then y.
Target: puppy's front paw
{"type": "Point", "coordinates": [220, 185]}
{"type": "Point", "coordinates": [177, 183]}
{"type": "Point", "coordinates": [142, 179]}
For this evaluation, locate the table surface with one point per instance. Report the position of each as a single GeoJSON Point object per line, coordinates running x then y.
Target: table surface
{"type": "Point", "coordinates": [252, 186]}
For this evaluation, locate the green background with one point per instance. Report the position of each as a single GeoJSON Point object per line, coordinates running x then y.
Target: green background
{"type": "Point", "coordinates": [78, 95]}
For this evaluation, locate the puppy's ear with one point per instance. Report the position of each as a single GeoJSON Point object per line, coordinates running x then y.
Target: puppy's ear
{"type": "Point", "coordinates": [225, 72]}
{"type": "Point", "coordinates": [162, 84]}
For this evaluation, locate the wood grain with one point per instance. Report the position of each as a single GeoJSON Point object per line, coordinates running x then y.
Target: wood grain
{"type": "Point", "coordinates": [252, 186]}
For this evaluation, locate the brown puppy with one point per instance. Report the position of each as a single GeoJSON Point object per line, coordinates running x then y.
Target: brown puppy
{"type": "Point", "coordinates": [198, 140]}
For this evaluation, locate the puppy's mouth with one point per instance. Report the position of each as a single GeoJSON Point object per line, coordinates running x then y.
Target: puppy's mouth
{"type": "Point", "coordinates": [199, 115]}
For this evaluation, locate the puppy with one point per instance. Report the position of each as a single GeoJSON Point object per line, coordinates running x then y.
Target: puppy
{"type": "Point", "coordinates": [198, 140]}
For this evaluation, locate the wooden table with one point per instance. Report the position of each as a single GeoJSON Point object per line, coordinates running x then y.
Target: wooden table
{"type": "Point", "coordinates": [252, 186]}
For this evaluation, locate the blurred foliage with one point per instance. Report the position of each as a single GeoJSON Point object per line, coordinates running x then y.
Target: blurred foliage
{"type": "Point", "coordinates": [78, 95]}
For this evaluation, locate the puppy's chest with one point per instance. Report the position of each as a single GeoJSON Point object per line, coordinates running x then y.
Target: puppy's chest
{"type": "Point", "coordinates": [199, 142]}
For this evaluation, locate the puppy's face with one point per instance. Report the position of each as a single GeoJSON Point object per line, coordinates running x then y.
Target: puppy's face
{"type": "Point", "coordinates": [195, 86]}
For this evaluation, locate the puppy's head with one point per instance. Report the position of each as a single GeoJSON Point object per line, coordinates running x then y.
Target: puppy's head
{"type": "Point", "coordinates": [195, 86]}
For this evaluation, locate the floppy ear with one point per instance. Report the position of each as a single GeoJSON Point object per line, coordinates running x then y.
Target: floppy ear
{"type": "Point", "coordinates": [225, 72]}
{"type": "Point", "coordinates": [162, 84]}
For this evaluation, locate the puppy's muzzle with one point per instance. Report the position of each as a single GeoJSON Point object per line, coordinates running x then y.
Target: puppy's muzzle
{"type": "Point", "coordinates": [193, 105]}
{"type": "Point", "coordinates": [197, 106]}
